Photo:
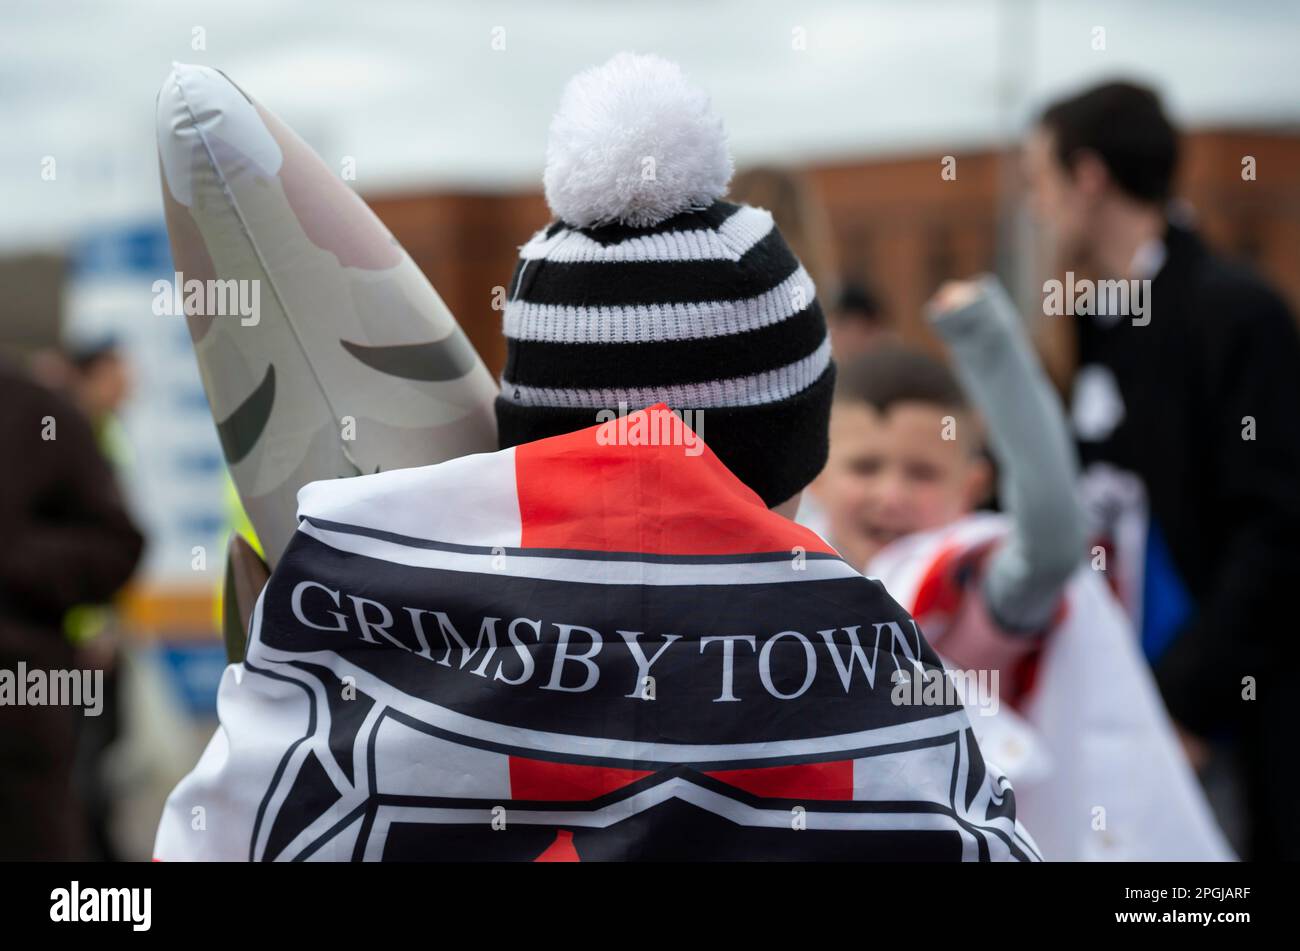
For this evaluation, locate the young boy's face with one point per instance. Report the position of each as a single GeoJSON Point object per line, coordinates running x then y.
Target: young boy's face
{"type": "Point", "coordinates": [894, 473]}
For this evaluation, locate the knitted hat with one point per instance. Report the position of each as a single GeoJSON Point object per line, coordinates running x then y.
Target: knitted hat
{"type": "Point", "coordinates": [648, 287]}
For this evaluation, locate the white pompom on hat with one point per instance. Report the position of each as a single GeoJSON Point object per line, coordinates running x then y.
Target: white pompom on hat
{"type": "Point", "coordinates": [651, 287]}
{"type": "Point", "coordinates": [634, 143]}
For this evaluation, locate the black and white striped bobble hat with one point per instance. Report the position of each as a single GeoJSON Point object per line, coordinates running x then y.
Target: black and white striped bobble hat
{"type": "Point", "coordinates": [648, 287]}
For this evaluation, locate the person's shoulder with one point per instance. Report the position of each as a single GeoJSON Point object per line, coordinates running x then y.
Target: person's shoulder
{"type": "Point", "coordinates": [1237, 291]}
{"type": "Point", "coordinates": [22, 394]}
{"type": "Point", "coordinates": [1236, 306]}
{"type": "Point", "coordinates": [1228, 280]}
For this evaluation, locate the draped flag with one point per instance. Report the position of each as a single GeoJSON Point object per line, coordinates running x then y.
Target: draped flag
{"type": "Point", "coordinates": [1088, 743]}
{"type": "Point", "coordinates": [598, 646]}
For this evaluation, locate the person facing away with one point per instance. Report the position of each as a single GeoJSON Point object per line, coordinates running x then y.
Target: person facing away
{"type": "Point", "coordinates": [1184, 406]}
{"type": "Point", "coordinates": [607, 640]}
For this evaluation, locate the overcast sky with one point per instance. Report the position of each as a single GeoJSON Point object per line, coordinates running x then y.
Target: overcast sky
{"type": "Point", "coordinates": [417, 94]}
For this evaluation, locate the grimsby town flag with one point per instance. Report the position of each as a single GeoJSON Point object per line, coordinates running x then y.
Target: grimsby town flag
{"type": "Point", "coordinates": [596, 646]}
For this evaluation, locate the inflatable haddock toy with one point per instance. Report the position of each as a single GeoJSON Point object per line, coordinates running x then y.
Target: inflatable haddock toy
{"type": "Point", "coordinates": [323, 349]}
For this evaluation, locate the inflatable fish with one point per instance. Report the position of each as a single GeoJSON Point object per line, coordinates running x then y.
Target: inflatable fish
{"type": "Point", "coordinates": [323, 349]}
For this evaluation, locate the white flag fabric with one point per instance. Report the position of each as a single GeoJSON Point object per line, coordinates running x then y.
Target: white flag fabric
{"type": "Point", "coordinates": [1098, 770]}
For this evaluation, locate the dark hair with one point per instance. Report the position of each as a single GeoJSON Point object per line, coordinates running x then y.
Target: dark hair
{"type": "Point", "coordinates": [1125, 125]}
{"type": "Point", "coordinates": [897, 374]}
{"type": "Point", "coordinates": [85, 356]}
{"type": "Point", "coordinates": [859, 303]}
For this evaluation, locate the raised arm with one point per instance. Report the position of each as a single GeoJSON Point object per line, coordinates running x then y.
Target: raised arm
{"type": "Point", "coordinates": [1029, 438]}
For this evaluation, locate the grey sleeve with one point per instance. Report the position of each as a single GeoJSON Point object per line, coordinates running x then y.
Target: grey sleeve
{"type": "Point", "coordinates": [1037, 465]}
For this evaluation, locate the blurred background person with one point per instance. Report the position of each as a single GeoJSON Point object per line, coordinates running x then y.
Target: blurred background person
{"type": "Point", "coordinates": [99, 381]}
{"type": "Point", "coordinates": [70, 543]}
{"type": "Point", "coordinates": [1186, 417]}
{"type": "Point", "coordinates": [1067, 707]}
{"type": "Point", "coordinates": [858, 322]}
{"type": "Point", "coordinates": [95, 375]}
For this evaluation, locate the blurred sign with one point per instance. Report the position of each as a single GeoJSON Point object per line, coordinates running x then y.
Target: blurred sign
{"type": "Point", "coordinates": [195, 673]}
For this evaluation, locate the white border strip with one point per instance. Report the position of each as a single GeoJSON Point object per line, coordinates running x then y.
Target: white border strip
{"type": "Point", "coordinates": [733, 238]}
{"type": "Point", "coordinates": [585, 571]}
{"type": "Point", "coordinates": [650, 323]}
